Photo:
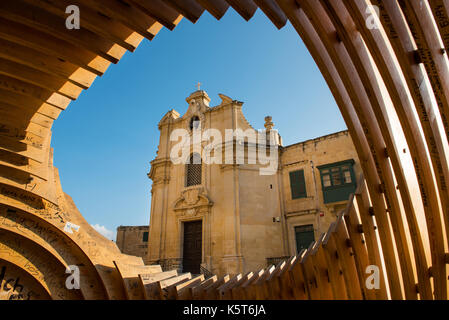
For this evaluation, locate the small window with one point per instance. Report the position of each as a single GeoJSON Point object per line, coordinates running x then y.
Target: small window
{"type": "Point", "coordinates": [298, 184]}
{"type": "Point", "coordinates": [327, 180]}
{"type": "Point", "coordinates": [336, 178]}
{"type": "Point", "coordinates": [193, 170]}
{"type": "Point", "coordinates": [145, 236]}
{"type": "Point", "coordinates": [347, 175]}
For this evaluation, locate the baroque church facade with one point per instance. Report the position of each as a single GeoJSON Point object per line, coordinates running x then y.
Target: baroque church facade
{"type": "Point", "coordinates": [231, 217]}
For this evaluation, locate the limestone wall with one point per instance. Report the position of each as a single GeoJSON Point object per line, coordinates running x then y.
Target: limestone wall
{"type": "Point", "coordinates": [130, 240]}
{"type": "Point", "coordinates": [308, 156]}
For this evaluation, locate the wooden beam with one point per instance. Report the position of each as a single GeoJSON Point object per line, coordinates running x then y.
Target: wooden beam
{"type": "Point", "coordinates": [32, 104]}
{"type": "Point", "coordinates": [128, 15]}
{"type": "Point", "coordinates": [188, 8]}
{"type": "Point", "coordinates": [53, 25]}
{"type": "Point", "coordinates": [246, 8]}
{"type": "Point", "coordinates": [58, 48]}
{"type": "Point", "coordinates": [28, 119]}
{"type": "Point", "coordinates": [358, 9]}
{"type": "Point", "coordinates": [273, 12]}
{"type": "Point", "coordinates": [160, 11]}
{"type": "Point", "coordinates": [374, 98]}
{"type": "Point", "coordinates": [48, 64]}
{"type": "Point", "coordinates": [39, 78]}
{"type": "Point", "coordinates": [217, 8]}
{"type": "Point", "coordinates": [31, 90]}
{"type": "Point", "coordinates": [94, 21]}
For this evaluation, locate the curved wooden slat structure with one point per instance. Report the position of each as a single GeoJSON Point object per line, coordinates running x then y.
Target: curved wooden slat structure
{"type": "Point", "coordinates": [388, 74]}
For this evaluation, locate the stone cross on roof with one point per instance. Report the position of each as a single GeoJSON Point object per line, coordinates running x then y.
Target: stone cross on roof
{"type": "Point", "coordinates": [199, 86]}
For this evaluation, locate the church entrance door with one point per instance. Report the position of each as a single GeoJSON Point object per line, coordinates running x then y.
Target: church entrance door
{"type": "Point", "coordinates": [192, 247]}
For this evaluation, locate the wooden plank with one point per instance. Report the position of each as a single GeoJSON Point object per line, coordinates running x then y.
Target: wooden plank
{"type": "Point", "coordinates": [47, 44]}
{"type": "Point", "coordinates": [434, 58]}
{"type": "Point", "coordinates": [419, 19]}
{"type": "Point", "coordinates": [223, 290]}
{"type": "Point", "coordinates": [217, 8]}
{"type": "Point", "coordinates": [53, 25]}
{"type": "Point", "coordinates": [198, 291]}
{"type": "Point", "coordinates": [371, 238]}
{"type": "Point", "coordinates": [256, 290]}
{"type": "Point", "coordinates": [149, 281]}
{"type": "Point", "coordinates": [273, 12]}
{"type": "Point", "coordinates": [165, 285]}
{"type": "Point", "coordinates": [327, 67]}
{"type": "Point", "coordinates": [31, 104]}
{"type": "Point", "coordinates": [346, 257]}
{"type": "Point", "coordinates": [432, 54]}
{"type": "Point", "coordinates": [274, 284]}
{"type": "Point", "coordinates": [128, 15]}
{"type": "Point", "coordinates": [28, 119]}
{"type": "Point", "coordinates": [242, 292]}
{"type": "Point", "coordinates": [361, 58]}
{"type": "Point", "coordinates": [440, 10]}
{"type": "Point", "coordinates": [362, 106]}
{"type": "Point", "coordinates": [393, 22]}
{"type": "Point", "coordinates": [211, 292]}
{"type": "Point", "coordinates": [30, 90]}
{"type": "Point", "coordinates": [310, 277]}
{"type": "Point", "coordinates": [39, 78]}
{"type": "Point", "coordinates": [246, 8]}
{"type": "Point", "coordinates": [10, 128]}
{"type": "Point", "coordinates": [321, 270]}
{"type": "Point", "coordinates": [231, 293]}
{"type": "Point", "coordinates": [266, 292]}
{"type": "Point", "coordinates": [336, 278]}
{"type": "Point", "coordinates": [292, 282]}
{"type": "Point", "coordinates": [188, 8]}
{"type": "Point", "coordinates": [93, 21]}
{"type": "Point", "coordinates": [48, 64]}
{"type": "Point", "coordinates": [34, 169]}
{"type": "Point", "coordinates": [27, 151]}
{"type": "Point", "coordinates": [130, 277]}
{"type": "Point", "coordinates": [358, 244]}
{"type": "Point", "coordinates": [415, 76]}
{"type": "Point", "coordinates": [182, 291]}
{"type": "Point", "coordinates": [159, 11]}
{"type": "Point", "coordinates": [409, 210]}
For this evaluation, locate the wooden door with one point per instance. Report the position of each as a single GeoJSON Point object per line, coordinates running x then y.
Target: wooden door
{"type": "Point", "coordinates": [192, 247]}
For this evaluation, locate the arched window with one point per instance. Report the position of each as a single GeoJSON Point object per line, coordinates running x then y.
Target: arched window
{"type": "Point", "coordinates": [193, 170]}
{"type": "Point", "coordinates": [194, 122]}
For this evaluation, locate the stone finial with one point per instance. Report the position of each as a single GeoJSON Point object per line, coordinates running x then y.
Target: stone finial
{"type": "Point", "coordinates": [268, 123]}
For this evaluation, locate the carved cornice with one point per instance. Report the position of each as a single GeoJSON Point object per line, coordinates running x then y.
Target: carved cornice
{"type": "Point", "coordinates": [160, 171]}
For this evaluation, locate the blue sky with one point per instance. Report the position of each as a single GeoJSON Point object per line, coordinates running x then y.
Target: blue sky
{"type": "Point", "coordinates": [105, 140]}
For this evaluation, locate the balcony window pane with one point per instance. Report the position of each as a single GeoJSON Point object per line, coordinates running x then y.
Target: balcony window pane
{"type": "Point", "coordinates": [347, 176]}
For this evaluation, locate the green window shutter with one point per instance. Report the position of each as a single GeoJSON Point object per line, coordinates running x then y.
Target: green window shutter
{"type": "Point", "coordinates": [298, 184]}
{"type": "Point", "coordinates": [145, 236]}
